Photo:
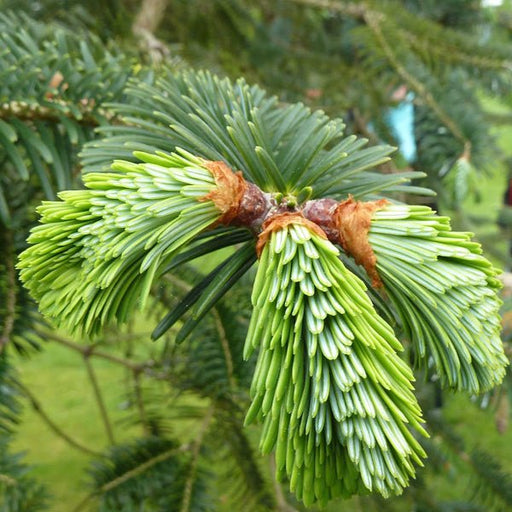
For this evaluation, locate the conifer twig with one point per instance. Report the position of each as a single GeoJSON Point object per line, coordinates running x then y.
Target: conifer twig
{"type": "Point", "coordinates": [91, 350]}
{"type": "Point", "coordinates": [146, 22]}
{"type": "Point", "coordinates": [10, 299]}
{"type": "Point", "coordinates": [282, 504]}
{"type": "Point", "coordinates": [36, 405]}
{"type": "Point", "coordinates": [373, 20]}
{"type": "Point", "coordinates": [140, 402]}
{"type": "Point", "coordinates": [99, 399]}
{"type": "Point", "coordinates": [225, 348]}
{"type": "Point", "coordinates": [7, 480]}
{"type": "Point", "coordinates": [89, 112]}
{"type": "Point", "coordinates": [196, 448]}
{"type": "Point", "coordinates": [132, 473]}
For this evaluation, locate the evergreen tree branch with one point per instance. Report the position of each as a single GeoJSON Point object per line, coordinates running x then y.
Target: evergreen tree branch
{"type": "Point", "coordinates": [427, 44]}
{"type": "Point", "coordinates": [140, 402]}
{"type": "Point", "coordinates": [38, 408]}
{"type": "Point", "coordinates": [488, 472]}
{"type": "Point", "coordinates": [282, 503]}
{"type": "Point", "coordinates": [354, 9]}
{"type": "Point", "coordinates": [85, 113]}
{"type": "Point", "coordinates": [132, 473]}
{"type": "Point", "coordinates": [373, 21]}
{"type": "Point", "coordinates": [231, 439]}
{"type": "Point", "coordinates": [456, 55]}
{"type": "Point", "coordinates": [196, 449]}
{"type": "Point", "coordinates": [225, 348]}
{"type": "Point", "coordinates": [11, 287]}
{"type": "Point", "coordinates": [19, 492]}
{"type": "Point", "coordinates": [99, 399]}
{"type": "Point", "coordinates": [91, 350]}
{"type": "Point", "coordinates": [7, 480]}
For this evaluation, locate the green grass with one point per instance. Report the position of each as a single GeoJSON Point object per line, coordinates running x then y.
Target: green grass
{"type": "Point", "coordinates": [58, 378]}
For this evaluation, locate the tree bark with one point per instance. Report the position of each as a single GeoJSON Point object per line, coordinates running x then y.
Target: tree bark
{"type": "Point", "coordinates": [146, 22]}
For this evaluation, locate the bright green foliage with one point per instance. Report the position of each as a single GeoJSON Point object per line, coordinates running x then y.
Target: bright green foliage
{"type": "Point", "coordinates": [97, 251]}
{"type": "Point", "coordinates": [329, 386]}
{"type": "Point", "coordinates": [335, 399]}
{"type": "Point", "coordinates": [283, 149]}
{"type": "Point", "coordinates": [445, 293]}
{"type": "Point", "coordinates": [61, 89]}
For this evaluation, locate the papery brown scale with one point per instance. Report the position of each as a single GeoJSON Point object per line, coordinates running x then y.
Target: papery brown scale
{"type": "Point", "coordinates": [230, 190]}
{"type": "Point", "coordinates": [280, 221]}
{"type": "Point", "coordinates": [352, 220]}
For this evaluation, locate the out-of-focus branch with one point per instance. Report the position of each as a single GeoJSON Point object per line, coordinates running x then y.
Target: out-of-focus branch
{"type": "Point", "coordinates": [146, 22]}
{"type": "Point", "coordinates": [10, 300]}
{"type": "Point", "coordinates": [36, 405]}
{"type": "Point", "coordinates": [99, 400]}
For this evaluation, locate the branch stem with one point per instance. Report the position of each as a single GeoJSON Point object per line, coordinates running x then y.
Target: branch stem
{"type": "Point", "coordinates": [140, 403]}
{"type": "Point", "coordinates": [36, 405]}
{"type": "Point", "coordinates": [196, 448]}
{"type": "Point", "coordinates": [132, 473]}
{"type": "Point", "coordinates": [99, 399]}
{"type": "Point", "coordinates": [10, 294]}
{"type": "Point", "coordinates": [91, 350]}
{"type": "Point", "coordinates": [225, 348]}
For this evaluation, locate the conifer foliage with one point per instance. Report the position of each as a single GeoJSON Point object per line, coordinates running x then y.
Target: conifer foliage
{"type": "Point", "coordinates": [332, 392]}
{"type": "Point", "coordinates": [112, 238]}
{"type": "Point", "coordinates": [203, 159]}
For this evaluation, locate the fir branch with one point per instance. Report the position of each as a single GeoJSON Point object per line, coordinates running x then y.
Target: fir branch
{"type": "Point", "coordinates": [11, 289]}
{"type": "Point", "coordinates": [492, 482]}
{"type": "Point", "coordinates": [195, 453]}
{"type": "Point", "coordinates": [140, 403]}
{"type": "Point", "coordinates": [356, 9]}
{"type": "Point", "coordinates": [241, 475]}
{"type": "Point", "coordinates": [85, 113]}
{"type": "Point", "coordinates": [146, 22]}
{"type": "Point", "coordinates": [282, 503]}
{"type": "Point", "coordinates": [19, 492]}
{"type": "Point", "coordinates": [454, 54]}
{"type": "Point", "coordinates": [8, 480]}
{"type": "Point", "coordinates": [161, 457]}
{"type": "Point", "coordinates": [99, 399]}
{"type": "Point", "coordinates": [92, 350]}
{"type": "Point", "coordinates": [133, 473]}
{"type": "Point", "coordinates": [373, 20]}
{"type": "Point", "coordinates": [38, 408]}
{"type": "Point", "coordinates": [228, 357]}
{"type": "Point", "coordinates": [448, 51]}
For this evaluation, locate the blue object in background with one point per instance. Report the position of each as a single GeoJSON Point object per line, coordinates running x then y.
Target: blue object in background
{"type": "Point", "coordinates": [401, 121]}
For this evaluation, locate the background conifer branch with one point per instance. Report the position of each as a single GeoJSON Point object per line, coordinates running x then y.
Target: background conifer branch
{"type": "Point", "coordinates": [373, 21]}
{"type": "Point", "coordinates": [132, 473]}
{"type": "Point", "coordinates": [195, 453]}
{"type": "Point", "coordinates": [99, 399]}
{"type": "Point", "coordinates": [10, 292]}
{"type": "Point", "coordinates": [38, 408]}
